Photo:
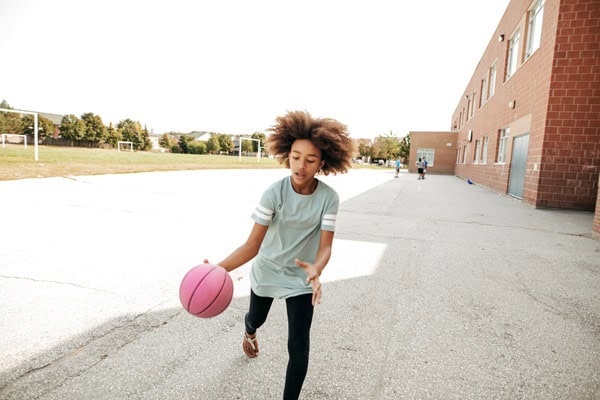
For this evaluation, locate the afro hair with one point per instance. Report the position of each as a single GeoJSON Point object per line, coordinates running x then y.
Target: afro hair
{"type": "Point", "coordinates": [327, 134]}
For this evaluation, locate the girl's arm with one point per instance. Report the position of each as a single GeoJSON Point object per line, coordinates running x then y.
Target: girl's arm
{"type": "Point", "coordinates": [248, 250]}
{"type": "Point", "coordinates": [315, 269]}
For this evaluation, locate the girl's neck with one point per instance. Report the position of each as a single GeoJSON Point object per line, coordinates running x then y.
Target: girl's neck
{"type": "Point", "coordinates": [307, 189]}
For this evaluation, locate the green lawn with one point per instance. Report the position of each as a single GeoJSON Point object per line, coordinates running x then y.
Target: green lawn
{"type": "Point", "coordinates": [16, 162]}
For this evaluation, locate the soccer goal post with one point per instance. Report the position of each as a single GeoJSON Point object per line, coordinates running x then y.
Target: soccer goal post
{"type": "Point", "coordinates": [35, 128]}
{"type": "Point", "coordinates": [5, 135]}
{"type": "Point", "coordinates": [255, 140]}
{"type": "Point", "coordinates": [123, 143]}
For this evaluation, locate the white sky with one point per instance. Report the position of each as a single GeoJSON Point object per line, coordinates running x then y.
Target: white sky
{"type": "Point", "coordinates": [232, 66]}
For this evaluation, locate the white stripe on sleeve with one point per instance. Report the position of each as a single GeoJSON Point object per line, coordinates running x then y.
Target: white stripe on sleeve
{"type": "Point", "coordinates": [263, 213]}
{"type": "Point", "coordinates": [329, 220]}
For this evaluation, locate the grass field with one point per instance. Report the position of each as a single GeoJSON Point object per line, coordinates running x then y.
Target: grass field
{"type": "Point", "coordinates": [16, 162]}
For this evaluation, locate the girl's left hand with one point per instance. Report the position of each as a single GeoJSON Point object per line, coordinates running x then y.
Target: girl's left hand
{"type": "Point", "coordinates": [313, 278]}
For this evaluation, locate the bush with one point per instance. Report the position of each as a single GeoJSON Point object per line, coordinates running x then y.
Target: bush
{"type": "Point", "coordinates": [195, 147]}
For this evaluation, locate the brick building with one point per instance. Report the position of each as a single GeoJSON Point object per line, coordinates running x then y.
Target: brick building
{"type": "Point", "coordinates": [438, 147]}
{"type": "Point", "coordinates": [528, 122]}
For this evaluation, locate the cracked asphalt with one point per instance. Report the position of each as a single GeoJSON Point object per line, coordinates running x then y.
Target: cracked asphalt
{"type": "Point", "coordinates": [436, 290]}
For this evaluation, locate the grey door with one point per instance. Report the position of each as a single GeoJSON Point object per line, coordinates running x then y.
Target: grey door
{"type": "Point", "coordinates": [518, 165]}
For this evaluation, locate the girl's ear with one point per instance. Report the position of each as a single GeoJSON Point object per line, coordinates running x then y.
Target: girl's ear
{"type": "Point", "coordinates": [322, 164]}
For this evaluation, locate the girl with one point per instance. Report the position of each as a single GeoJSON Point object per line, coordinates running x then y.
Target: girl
{"type": "Point", "coordinates": [292, 234]}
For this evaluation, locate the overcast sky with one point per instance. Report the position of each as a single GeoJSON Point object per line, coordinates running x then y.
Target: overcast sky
{"type": "Point", "coordinates": [232, 66]}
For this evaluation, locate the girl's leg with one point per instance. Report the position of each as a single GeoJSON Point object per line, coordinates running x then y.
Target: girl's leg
{"type": "Point", "coordinates": [255, 317]}
{"type": "Point", "coordinates": [300, 313]}
{"type": "Point", "coordinates": [257, 314]}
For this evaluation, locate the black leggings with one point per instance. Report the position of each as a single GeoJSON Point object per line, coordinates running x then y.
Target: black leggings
{"type": "Point", "coordinates": [299, 313]}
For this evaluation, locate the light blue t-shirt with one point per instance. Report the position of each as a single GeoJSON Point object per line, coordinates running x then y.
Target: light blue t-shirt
{"type": "Point", "coordinates": [295, 222]}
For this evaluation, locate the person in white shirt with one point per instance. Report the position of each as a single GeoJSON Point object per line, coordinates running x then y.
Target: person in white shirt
{"type": "Point", "coordinates": [420, 168]}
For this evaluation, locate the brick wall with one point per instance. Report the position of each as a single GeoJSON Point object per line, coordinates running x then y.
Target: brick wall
{"type": "Point", "coordinates": [554, 96]}
{"type": "Point", "coordinates": [526, 90]}
{"type": "Point", "coordinates": [444, 145]}
{"type": "Point", "coordinates": [571, 149]}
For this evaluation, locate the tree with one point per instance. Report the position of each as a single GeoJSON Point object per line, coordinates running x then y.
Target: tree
{"type": "Point", "coordinates": [183, 143]}
{"type": "Point", "coordinates": [404, 151]}
{"type": "Point", "coordinates": [113, 136]}
{"type": "Point", "coordinates": [247, 145]}
{"type": "Point", "coordinates": [132, 132]}
{"type": "Point", "coordinates": [365, 148]}
{"type": "Point", "coordinates": [167, 141]}
{"type": "Point", "coordinates": [260, 136]}
{"type": "Point", "coordinates": [94, 128]}
{"type": "Point", "coordinates": [225, 143]}
{"type": "Point", "coordinates": [196, 147]}
{"type": "Point", "coordinates": [387, 146]}
{"type": "Point", "coordinates": [146, 138]}
{"type": "Point", "coordinates": [213, 146]}
{"type": "Point", "coordinates": [72, 128]}
{"type": "Point", "coordinates": [10, 122]}
{"type": "Point", "coordinates": [45, 126]}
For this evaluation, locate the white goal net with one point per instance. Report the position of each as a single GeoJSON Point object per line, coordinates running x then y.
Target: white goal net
{"type": "Point", "coordinates": [6, 138]}
{"type": "Point", "coordinates": [124, 144]}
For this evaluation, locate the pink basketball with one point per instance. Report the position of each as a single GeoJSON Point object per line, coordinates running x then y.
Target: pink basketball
{"type": "Point", "coordinates": [206, 290]}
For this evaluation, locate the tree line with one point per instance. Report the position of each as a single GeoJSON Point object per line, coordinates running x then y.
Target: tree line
{"type": "Point", "coordinates": [87, 128]}
{"type": "Point", "coordinates": [217, 143]}
{"type": "Point", "coordinates": [384, 147]}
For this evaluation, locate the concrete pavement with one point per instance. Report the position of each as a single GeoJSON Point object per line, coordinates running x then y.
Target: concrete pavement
{"type": "Point", "coordinates": [436, 290]}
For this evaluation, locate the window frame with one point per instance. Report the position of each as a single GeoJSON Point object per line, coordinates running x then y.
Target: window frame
{"type": "Point", "coordinates": [503, 135]}
{"type": "Point", "coordinates": [484, 90]}
{"type": "Point", "coordinates": [492, 81]}
{"type": "Point", "coordinates": [513, 59]}
{"type": "Point", "coordinates": [428, 153]}
{"type": "Point", "coordinates": [535, 19]}
{"type": "Point", "coordinates": [484, 150]}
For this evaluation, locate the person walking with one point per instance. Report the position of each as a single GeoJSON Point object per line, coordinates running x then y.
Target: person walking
{"type": "Point", "coordinates": [424, 167]}
{"type": "Point", "coordinates": [292, 235]}
{"type": "Point", "coordinates": [420, 167]}
{"type": "Point", "coordinates": [397, 167]}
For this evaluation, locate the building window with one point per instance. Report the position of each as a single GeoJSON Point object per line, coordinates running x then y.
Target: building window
{"type": "Point", "coordinates": [427, 154]}
{"type": "Point", "coordinates": [468, 109]}
{"type": "Point", "coordinates": [534, 32]}
{"type": "Point", "coordinates": [513, 54]}
{"type": "Point", "coordinates": [502, 145]}
{"type": "Point", "coordinates": [458, 155]}
{"type": "Point", "coordinates": [484, 150]}
{"type": "Point", "coordinates": [474, 104]}
{"type": "Point", "coordinates": [484, 90]}
{"type": "Point", "coordinates": [492, 81]}
{"type": "Point", "coordinates": [477, 152]}
{"type": "Point", "coordinates": [464, 160]}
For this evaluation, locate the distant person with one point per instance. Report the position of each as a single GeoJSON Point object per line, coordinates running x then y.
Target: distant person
{"type": "Point", "coordinates": [420, 166]}
{"type": "Point", "coordinates": [292, 235]}
{"type": "Point", "coordinates": [397, 167]}
{"type": "Point", "coordinates": [424, 167]}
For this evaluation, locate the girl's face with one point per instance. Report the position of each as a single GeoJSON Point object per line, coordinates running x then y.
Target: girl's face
{"type": "Point", "coordinates": [305, 162]}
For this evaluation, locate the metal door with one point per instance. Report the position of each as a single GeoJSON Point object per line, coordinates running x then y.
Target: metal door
{"type": "Point", "coordinates": [518, 165]}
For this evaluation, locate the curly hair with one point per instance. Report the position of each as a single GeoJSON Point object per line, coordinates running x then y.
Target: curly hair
{"type": "Point", "coordinates": [328, 135]}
